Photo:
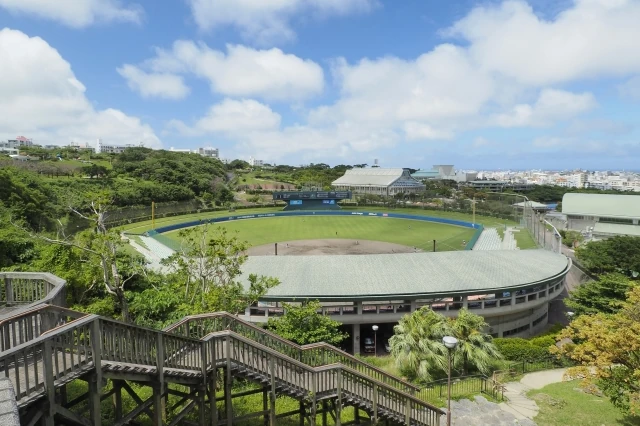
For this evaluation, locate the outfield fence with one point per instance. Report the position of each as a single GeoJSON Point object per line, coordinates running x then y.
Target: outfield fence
{"type": "Point", "coordinates": [172, 244]}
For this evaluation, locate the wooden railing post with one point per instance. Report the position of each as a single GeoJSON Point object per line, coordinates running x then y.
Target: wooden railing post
{"type": "Point", "coordinates": [407, 411]}
{"type": "Point", "coordinates": [339, 396]}
{"type": "Point", "coordinates": [314, 400]}
{"type": "Point", "coordinates": [8, 290]}
{"type": "Point", "coordinates": [158, 386]}
{"type": "Point", "coordinates": [49, 388]}
{"type": "Point", "coordinates": [213, 405]}
{"type": "Point", "coordinates": [95, 381]}
{"type": "Point", "coordinates": [272, 394]}
{"type": "Point", "coordinates": [374, 405]}
{"type": "Point", "coordinates": [229, 384]}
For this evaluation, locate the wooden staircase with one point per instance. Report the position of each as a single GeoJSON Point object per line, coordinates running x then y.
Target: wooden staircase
{"type": "Point", "coordinates": [46, 347]}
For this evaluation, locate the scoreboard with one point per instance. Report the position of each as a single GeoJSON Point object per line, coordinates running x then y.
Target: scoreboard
{"type": "Point", "coordinates": [312, 195]}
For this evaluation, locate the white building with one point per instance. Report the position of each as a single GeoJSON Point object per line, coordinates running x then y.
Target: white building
{"type": "Point", "coordinates": [111, 149]}
{"type": "Point", "coordinates": [603, 215]}
{"type": "Point", "coordinates": [378, 181]}
{"type": "Point", "coordinates": [209, 152]}
{"type": "Point", "coordinates": [255, 163]}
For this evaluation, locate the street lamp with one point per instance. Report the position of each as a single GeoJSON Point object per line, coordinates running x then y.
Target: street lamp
{"type": "Point", "coordinates": [570, 314]}
{"type": "Point", "coordinates": [450, 343]}
{"type": "Point", "coordinates": [375, 340]}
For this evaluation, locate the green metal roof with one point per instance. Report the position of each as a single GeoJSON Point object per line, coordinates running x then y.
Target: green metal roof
{"type": "Point", "coordinates": [616, 229]}
{"type": "Point", "coordinates": [602, 205]}
{"type": "Point", "coordinates": [403, 276]}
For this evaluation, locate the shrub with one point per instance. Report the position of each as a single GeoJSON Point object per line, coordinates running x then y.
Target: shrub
{"type": "Point", "coordinates": [518, 349]}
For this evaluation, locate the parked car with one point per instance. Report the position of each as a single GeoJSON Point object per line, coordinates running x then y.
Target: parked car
{"type": "Point", "coordinates": [369, 346]}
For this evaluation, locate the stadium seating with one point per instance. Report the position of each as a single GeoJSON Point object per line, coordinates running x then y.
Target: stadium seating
{"type": "Point", "coordinates": [489, 240]}
{"type": "Point", "coordinates": [155, 247]}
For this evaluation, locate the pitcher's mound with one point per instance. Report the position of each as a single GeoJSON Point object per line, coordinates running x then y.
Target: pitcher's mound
{"type": "Point", "coordinates": [329, 246]}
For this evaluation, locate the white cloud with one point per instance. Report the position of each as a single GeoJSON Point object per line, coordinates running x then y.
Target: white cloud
{"type": "Point", "coordinates": [41, 98]}
{"type": "Point", "coordinates": [242, 71]}
{"type": "Point", "coordinates": [551, 106]}
{"type": "Point", "coordinates": [266, 22]}
{"type": "Point", "coordinates": [510, 68]}
{"type": "Point", "coordinates": [630, 88]}
{"type": "Point", "coordinates": [161, 85]}
{"type": "Point", "coordinates": [423, 98]}
{"type": "Point", "coordinates": [232, 117]}
{"type": "Point", "coordinates": [76, 13]}
{"type": "Point", "coordinates": [590, 39]}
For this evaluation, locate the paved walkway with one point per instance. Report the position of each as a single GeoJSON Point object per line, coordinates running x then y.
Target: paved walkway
{"type": "Point", "coordinates": [516, 392]}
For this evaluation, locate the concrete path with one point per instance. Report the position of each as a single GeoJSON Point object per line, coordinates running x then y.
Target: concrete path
{"type": "Point", "coordinates": [516, 392]}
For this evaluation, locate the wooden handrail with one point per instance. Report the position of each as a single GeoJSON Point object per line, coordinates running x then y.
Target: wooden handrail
{"type": "Point", "coordinates": [193, 318]}
{"type": "Point", "coordinates": [328, 367]}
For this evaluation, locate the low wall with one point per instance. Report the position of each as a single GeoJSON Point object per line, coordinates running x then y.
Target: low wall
{"type": "Point", "coordinates": [444, 221]}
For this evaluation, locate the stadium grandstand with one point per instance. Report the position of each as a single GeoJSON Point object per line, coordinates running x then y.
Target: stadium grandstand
{"type": "Point", "coordinates": [602, 215]}
{"type": "Point", "coordinates": [511, 289]}
{"type": "Point", "coordinates": [378, 181]}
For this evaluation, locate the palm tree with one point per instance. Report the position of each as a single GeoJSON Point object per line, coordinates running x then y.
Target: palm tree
{"type": "Point", "coordinates": [417, 343]}
{"type": "Point", "coordinates": [474, 346]}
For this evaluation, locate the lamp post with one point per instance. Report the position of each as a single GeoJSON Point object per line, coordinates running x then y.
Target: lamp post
{"type": "Point", "coordinates": [450, 343]}
{"type": "Point", "coordinates": [375, 340]}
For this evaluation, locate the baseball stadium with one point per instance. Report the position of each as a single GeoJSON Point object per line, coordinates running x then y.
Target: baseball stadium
{"type": "Point", "coordinates": [372, 266]}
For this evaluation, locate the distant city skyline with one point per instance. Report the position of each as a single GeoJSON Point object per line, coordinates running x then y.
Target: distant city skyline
{"type": "Point", "coordinates": [482, 84]}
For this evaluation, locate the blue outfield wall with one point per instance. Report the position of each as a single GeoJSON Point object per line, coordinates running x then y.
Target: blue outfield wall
{"type": "Point", "coordinates": [469, 246]}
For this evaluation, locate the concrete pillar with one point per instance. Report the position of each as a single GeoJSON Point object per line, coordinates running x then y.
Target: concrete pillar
{"type": "Point", "coordinates": [465, 302]}
{"type": "Point", "coordinates": [413, 306]}
{"type": "Point", "coordinates": [359, 307]}
{"type": "Point", "coordinates": [356, 339]}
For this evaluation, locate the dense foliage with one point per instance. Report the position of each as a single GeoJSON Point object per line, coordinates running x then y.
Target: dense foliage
{"type": "Point", "coordinates": [608, 347]}
{"type": "Point", "coordinates": [519, 349]}
{"type": "Point", "coordinates": [617, 254]}
{"type": "Point", "coordinates": [303, 324]}
{"type": "Point", "coordinates": [605, 294]}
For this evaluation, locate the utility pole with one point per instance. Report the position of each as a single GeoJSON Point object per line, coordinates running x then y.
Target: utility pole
{"type": "Point", "coordinates": [153, 214]}
{"type": "Point", "coordinates": [474, 209]}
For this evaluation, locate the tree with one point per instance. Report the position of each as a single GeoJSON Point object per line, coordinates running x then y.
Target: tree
{"type": "Point", "coordinates": [208, 268]}
{"type": "Point", "coordinates": [475, 347]}
{"type": "Point", "coordinates": [607, 346]}
{"type": "Point", "coordinates": [616, 254]}
{"type": "Point", "coordinates": [606, 294]}
{"type": "Point", "coordinates": [102, 247]}
{"type": "Point", "coordinates": [417, 344]}
{"type": "Point", "coordinates": [303, 324]}
{"type": "Point", "coordinates": [418, 349]}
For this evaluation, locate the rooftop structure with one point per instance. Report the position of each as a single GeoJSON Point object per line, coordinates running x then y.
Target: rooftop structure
{"type": "Point", "coordinates": [414, 275]}
{"type": "Point", "coordinates": [595, 212]}
{"type": "Point", "coordinates": [511, 289]}
{"type": "Point", "coordinates": [378, 181]}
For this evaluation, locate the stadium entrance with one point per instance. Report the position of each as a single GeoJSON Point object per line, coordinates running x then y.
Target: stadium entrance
{"type": "Point", "coordinates": [312, 200]}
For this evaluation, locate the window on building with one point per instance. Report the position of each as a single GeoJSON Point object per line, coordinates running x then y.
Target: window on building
{"type": "Point", "coordinates": [616, 220]}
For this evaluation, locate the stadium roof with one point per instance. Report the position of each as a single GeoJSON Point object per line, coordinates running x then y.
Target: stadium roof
{"type": "Point", "coordinates": [533, 204]}
{"type": "Point", "coordinates": [616, 229]}
{"type": "Point", "coordinates": [403, 276]}
{"type": "Point", "coordinates": [602, 205]}
{"type": "Point", "coordinates": [373, 176]}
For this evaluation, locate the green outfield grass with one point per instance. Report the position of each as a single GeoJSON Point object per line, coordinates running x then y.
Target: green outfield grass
{"type": "Point", "coordinates": [142, 227]}
{"type": "Point", "coordinates": [524, 240]}
{"type": "Point", "coordinates": [410, 233]}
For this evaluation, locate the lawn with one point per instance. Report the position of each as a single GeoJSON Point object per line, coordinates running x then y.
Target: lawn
{"type": "Point", "coordinates": [142, 227]}
{"type": "Point", "coordinates": [399, 231]}
{"type": "Point", "coordinates": [561, 404]}
{"type": "Point", "coordinates": [524, 239]}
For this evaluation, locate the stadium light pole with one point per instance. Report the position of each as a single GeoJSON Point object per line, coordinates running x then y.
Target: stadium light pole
{"type": "Point", "coordinates": [450, 343]}
{"type": "Point", "coordinates": [375, 340]}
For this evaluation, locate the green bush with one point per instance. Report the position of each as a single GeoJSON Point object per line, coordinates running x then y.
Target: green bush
{"type": "Point", "coordinates": [518, 349]}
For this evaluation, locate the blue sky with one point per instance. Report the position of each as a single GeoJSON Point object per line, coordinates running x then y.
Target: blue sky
{"type": "Point", "coordinates": [482, 85]}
